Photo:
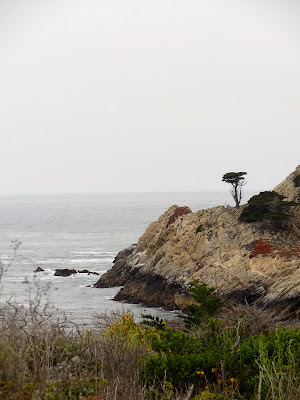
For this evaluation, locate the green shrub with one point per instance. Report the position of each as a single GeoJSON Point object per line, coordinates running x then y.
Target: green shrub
{"type": "Point", "coordinates": [267, 206]}
{"type": "Point", "coordinates": [185, 361]}
{"type": "Point", "coordinates": [274, 355]}
{"type": "Point", "coordinates": [207, 305]}
{"type": "Point", "coordinates": [170, 341]}
{"type": "Point", "coordinates": [153, 322]}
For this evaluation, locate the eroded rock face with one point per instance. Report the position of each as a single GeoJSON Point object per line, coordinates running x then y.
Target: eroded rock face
{"type": "Point", "coordinates": [287, 187]}
{"type": "Point", "coordinates": [119, 274]}
{"type": "Point", "coordinates": [242, 262]}
{"type": "Point", "coordinates": [124, 253]}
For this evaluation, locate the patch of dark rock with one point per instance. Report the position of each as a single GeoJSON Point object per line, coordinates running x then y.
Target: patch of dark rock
{"type": "Point", "coordinates": [209, 235]}
{"type": "Point", "coordinates": [151, 291]}
{"type": "Point", "coordinates": [117, 276]}
{"type": "Point", "coordinates": [85, 271]}
{"type": "Point", "coordinates": [124, 253]}
{"type": "Point", "coordinates": [68, 272]}
{"type": "Point", "coordinates": [251, 295]}
{"type": "Point", "coordinates": [65, 272]}
{"type": "Point", "coordinates": [39, 269]}
{"type": "Point", "coordinates": [286, 307]}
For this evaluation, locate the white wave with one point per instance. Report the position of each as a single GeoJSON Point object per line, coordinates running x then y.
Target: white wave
{"type": "Point", "coordinates": [112, 253]}
{"type": "Point", "coordinates": [50, 261]}
{"type": "Point", "coordinates": [85, 261]}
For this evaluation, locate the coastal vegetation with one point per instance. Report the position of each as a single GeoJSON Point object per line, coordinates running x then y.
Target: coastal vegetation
{"type": "Point", "coordinates": [237, 181]}
{"type": "Point", "coordinates": [216, 349]}
{"type": "Point", "coordinates": [228, 352]}
{"type": "Point", "coordinates": [268, 206]}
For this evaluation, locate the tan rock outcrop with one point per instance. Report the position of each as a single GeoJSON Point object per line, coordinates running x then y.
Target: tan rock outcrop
{"type": "Point", "coordinates": [287, 187]}
{"type": "Point", "coordinates": [240, 260]}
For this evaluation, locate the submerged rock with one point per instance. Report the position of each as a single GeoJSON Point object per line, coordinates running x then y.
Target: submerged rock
{"type": "Point", "coordinates": [243, 262]}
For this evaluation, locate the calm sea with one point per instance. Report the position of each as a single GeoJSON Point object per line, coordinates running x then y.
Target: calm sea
{"type": "Point", "coordinates": [79, 231]}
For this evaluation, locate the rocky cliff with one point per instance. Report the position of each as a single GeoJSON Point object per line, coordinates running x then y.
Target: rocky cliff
{"type": "Point", "coordinates": [288, 188]}
{"type": "Point", "coordinates": [242, 261]}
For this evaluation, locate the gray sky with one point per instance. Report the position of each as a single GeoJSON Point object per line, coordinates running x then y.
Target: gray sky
{"type": "Point", "coordinates": [135, 95]}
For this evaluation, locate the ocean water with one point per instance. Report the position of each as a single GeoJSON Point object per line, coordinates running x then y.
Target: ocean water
{"type": "Point", "coordinates": [79, 231]}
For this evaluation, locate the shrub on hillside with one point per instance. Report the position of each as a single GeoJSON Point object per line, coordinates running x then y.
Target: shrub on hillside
{"type": "Point", "coordinates": [267, 206]}
{"type": "Point", "coordinates": [207, 305]}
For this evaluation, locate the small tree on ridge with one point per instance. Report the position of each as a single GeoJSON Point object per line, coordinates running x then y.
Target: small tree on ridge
{"type": "Point", "coordinates": [237, 181]}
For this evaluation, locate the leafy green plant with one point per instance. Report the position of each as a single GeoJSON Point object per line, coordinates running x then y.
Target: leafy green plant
{"type": "Point", "coordinates": [207, 305]}
{"type": "Point", "coordinates": [153, 322]}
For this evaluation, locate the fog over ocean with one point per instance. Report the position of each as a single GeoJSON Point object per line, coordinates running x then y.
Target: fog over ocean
{"type": "Point", "coordinates": [80, 231]}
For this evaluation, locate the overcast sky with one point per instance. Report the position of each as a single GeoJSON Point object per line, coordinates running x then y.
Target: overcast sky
{"type": "Point", "coordinates": [147, 95]}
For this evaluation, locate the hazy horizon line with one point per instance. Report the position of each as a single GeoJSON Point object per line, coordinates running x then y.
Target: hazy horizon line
{"type": "Point", "coordinates": [124, 192]}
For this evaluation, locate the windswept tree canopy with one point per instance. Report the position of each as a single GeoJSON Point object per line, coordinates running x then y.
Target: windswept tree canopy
{"type": "Point", "coordinates": [237, 181]}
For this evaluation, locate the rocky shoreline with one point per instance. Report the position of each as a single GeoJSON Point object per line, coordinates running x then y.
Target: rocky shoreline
{"type": "Point", "coordinates": [245, 263]}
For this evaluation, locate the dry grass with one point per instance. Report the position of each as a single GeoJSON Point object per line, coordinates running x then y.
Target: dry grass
{"type": "Point", "coordinates": [42, 357]}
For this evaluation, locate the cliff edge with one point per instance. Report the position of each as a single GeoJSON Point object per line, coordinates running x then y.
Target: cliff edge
{"type": "Point", "coordinates": [242, 261]}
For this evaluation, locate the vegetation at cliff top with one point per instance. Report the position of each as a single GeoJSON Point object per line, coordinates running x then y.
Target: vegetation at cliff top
{"type": "Point", "coordinates": [237, 181]}
{"type": "Point", "coordinates": [267, 206]}
{"type": "Point", "coordinates": [241, 354]}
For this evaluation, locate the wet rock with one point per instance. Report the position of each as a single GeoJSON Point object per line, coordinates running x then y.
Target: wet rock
{"type": "Point", "coordinates": [124, 253]}
{"type": "Point", "coordinates": [39, 269]}
{"type": "Point", "coordinates": [117, 276]}
{"type": "Point", "coordinates": [85, 271]}
{"type": "Point", "coordinates": [65, 272]}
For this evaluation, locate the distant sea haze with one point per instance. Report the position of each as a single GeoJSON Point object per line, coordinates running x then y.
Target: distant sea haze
{"type": "Point", "coordinates": [80, 231]}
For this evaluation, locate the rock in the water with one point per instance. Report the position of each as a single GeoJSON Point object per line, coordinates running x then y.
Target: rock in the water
{"type": "Point", "coordinates": [69, 272]}
{"type": "Point", "coordinates": [39, 269]}
{"type": "Point", "coordinates": [65, 272]}
{"type": "Point", "coordinates": [85, 271]}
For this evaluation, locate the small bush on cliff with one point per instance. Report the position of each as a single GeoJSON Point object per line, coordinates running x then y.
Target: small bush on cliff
{"type": "Point", "coordinates": [267, 206]}
{"type": "Point", "coordinates": [208, 305]}
{"type": "Point", "coordinates": [199, 228]}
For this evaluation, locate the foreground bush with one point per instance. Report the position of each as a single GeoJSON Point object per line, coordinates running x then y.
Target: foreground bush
{"type": "Point", "coordinates": [233, 357]}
